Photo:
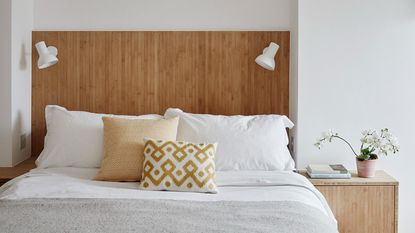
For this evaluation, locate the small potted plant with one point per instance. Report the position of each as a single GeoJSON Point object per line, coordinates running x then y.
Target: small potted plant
{"type": "Point", "coordinates": [373, 144]}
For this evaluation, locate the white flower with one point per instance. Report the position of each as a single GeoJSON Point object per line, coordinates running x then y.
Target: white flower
{"type": "Point", "coordinates": [383, 143]}
{"type": "Point", "coordinates": [368, 132]}
{"type": "Point", "coordinates": [326, 136]}
{"type": "Point", "coordinates": [394, 140]}
{"type": "Point", "coordinates": [372, 141]}
{"type": "Point", "coordinates": [318, 144]}
{"type": "Point", "coordinates": [386, 134]}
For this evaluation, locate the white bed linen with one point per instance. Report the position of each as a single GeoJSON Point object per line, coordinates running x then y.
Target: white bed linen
{"type": "Point", "coordinates": [232, 186]}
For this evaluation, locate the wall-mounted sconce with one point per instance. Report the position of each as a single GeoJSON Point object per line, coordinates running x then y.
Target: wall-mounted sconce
{"type": "Point", "coordinates": [266, 59]}
{"type": "Point", "coordinates": [47, 55]}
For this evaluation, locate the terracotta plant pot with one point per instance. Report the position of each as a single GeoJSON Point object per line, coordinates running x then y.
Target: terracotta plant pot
{"type": "Point", "coordinates": [366, 168]}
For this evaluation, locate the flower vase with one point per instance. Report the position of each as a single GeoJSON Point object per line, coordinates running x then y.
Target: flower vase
{"type": "Point", "coordinates": [366, 168]}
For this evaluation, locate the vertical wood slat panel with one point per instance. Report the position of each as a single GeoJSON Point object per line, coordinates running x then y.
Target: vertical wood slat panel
{"type": "Point", "coordinates": [146, 72]}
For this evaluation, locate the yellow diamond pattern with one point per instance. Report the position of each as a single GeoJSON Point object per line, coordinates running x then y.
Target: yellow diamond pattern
{"type": "Point", "coordinates": [179, 166]}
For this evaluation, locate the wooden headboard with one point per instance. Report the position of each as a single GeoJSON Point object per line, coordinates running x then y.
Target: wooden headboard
{"type": "Point", "coordinates": [146, 72]}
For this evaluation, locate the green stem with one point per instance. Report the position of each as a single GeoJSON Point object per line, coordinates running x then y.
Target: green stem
{"type": "Point", "coordinates": [344, 140]}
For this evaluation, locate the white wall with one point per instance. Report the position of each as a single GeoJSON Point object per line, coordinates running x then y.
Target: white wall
{"type": "Point", "coordinates": [357, 71]}
{"type": "Point", "coordinates": [294, 76]}
{"type": "Point", "coordinates": [22, 26]}
{"type": "Point", "coordinates": [5, 83]}
{"type": "Point", "coordinates": [16, 24]}
{"type": "Point", "coordinates": [162, 15]}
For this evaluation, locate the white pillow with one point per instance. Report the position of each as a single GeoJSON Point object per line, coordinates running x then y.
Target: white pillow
{"type": "Point", "coordinates": [244, 142]}
{"type": "Point", "coordinates": [75, 139]}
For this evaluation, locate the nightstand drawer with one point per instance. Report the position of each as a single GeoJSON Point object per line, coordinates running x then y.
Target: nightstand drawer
{"type": "Point", "coordinates": [362, 208]}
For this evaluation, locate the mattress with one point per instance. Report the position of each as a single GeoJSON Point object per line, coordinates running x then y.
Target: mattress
{"type": "Point", "coordinates": [244, 187]}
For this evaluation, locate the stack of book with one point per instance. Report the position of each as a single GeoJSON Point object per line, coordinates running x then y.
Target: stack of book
{"type": "Point", "coordinates": [324, 171]}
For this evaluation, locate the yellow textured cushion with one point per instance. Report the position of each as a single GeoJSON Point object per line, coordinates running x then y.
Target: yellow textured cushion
{"type": "Point", "coordinates": [123, 145]}
{"type": "Point", "coordinates": [178, 166]}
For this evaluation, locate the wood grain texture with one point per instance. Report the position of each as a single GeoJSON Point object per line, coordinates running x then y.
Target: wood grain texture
{"type": "Point", "coordinates": [363, 209]}
{"type": "Point", "coordinates": [147, 72]}
{"type": "Point", "coordinates": [362, 204]}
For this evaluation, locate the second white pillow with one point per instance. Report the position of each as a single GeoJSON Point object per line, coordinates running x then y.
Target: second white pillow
{"type": "Point", "coordinates": [244, 142]}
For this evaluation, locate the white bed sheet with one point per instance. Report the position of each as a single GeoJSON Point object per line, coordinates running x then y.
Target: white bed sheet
{"type": "Point", "coordinates": [232, 186]}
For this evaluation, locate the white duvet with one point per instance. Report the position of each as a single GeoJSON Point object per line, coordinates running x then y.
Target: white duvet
{"type": "Point", "coordinates": [232, 186]}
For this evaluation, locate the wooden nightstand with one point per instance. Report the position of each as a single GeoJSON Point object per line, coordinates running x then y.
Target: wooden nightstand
{"type": "Point", "coordinates": [366, 205]}
{"type": "Point", "coordinates": [8, 173]}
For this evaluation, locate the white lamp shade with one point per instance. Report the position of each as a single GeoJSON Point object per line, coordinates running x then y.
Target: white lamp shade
{"type": "Point", "coordinates": [266, 59]}
{"type": "Point", "coordinates": [47, 55]}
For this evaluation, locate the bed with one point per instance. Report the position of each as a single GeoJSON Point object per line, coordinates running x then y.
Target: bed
{"type": "Point", "coordinates": [135, 73]}
{"type": "Point", "coordinates": [254, 188]}
{"type": "Point", "coordinates": [67, 200]}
